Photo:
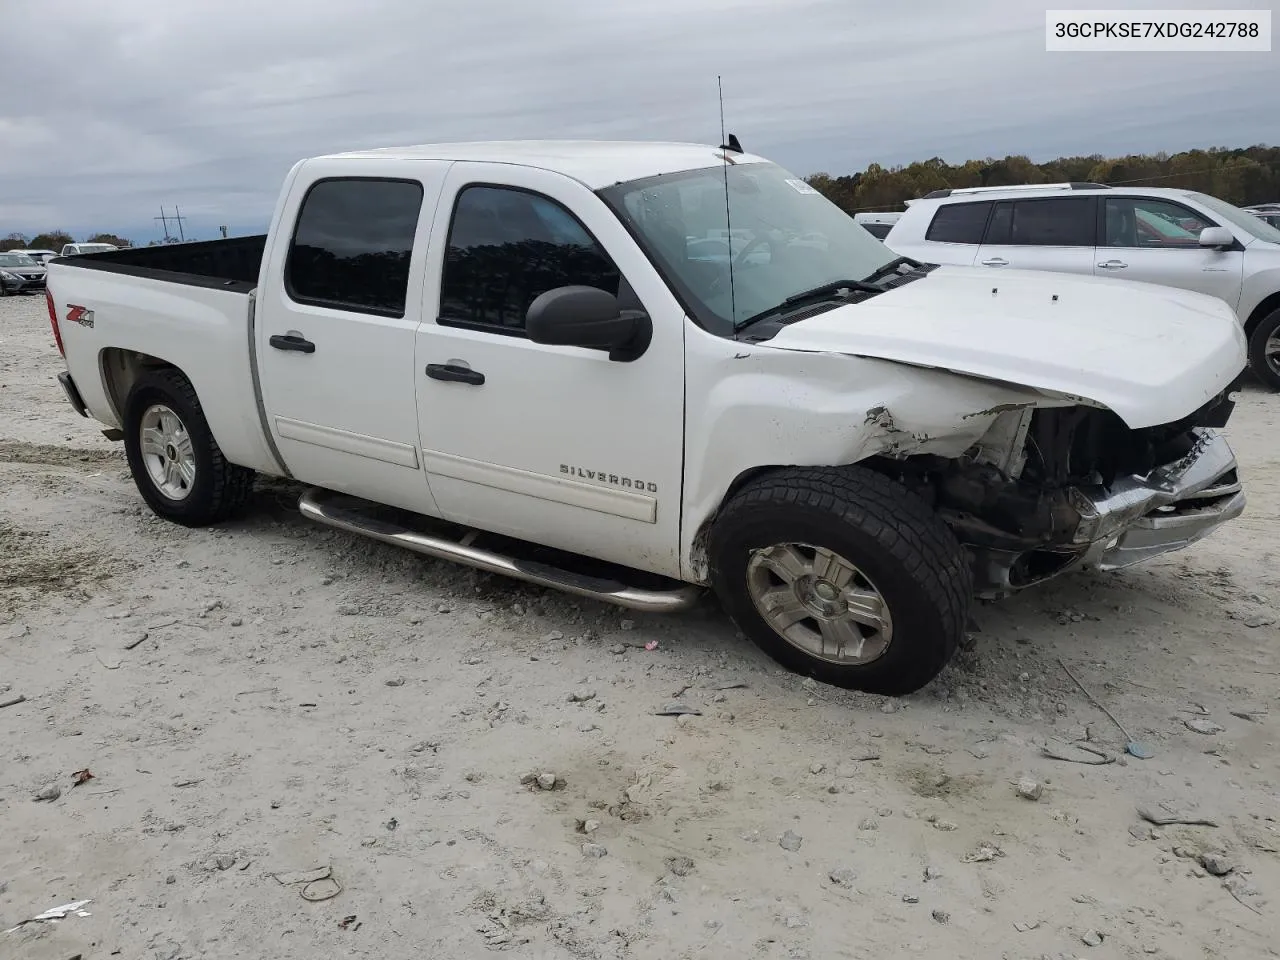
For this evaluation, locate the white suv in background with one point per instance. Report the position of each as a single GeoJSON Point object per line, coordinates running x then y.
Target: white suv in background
{"type": "Point", "coordinates": [877, 224]}
{"type": "Point", "coordinates": [1178, 238]}
{"type": "Point", "coordinates": [75, 249]}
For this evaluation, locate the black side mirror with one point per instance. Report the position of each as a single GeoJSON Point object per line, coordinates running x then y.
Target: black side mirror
{"type": "Point", "coordinates": [578, 316]}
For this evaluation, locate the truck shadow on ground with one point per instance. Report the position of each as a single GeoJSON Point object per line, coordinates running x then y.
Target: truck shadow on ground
{"type": "Point", "coordinates": [1013, 655]}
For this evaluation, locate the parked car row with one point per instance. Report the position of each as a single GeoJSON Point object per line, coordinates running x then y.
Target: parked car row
{"type": "Point", "coordinates": [23, 279]}
{"type": "Point", "coordinates": [1176, 238]}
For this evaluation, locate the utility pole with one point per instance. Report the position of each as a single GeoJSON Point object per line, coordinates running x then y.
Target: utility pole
{"type": "Point", "coordinates": [164, 220]}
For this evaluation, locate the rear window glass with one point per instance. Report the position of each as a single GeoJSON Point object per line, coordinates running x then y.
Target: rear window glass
{"type": "Point", "coordinates": [959, 222]}
{"type": "Point", "coordinates": [352, 245]}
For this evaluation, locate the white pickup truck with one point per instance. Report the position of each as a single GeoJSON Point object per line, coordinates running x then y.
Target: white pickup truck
{"type": "Point", "coordinates": [544, 360]}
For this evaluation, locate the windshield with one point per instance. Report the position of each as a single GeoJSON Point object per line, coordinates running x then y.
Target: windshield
{"type": "Point", "coordinates": [16, 260]}
{"type": "Point", "coordinates": [95, 247]}
{"type": "Point", "coordinates": [786, 238]}
{"type": "Point", "coordinates": [1245, 221]}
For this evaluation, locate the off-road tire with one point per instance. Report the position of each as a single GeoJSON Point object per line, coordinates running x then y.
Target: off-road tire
{"type": "Point", "coordinates": [915, 562]}
{"type": "Point", "coordinates": [220, 489]}
{"type": "Point", "coordinates": [1266, 329]}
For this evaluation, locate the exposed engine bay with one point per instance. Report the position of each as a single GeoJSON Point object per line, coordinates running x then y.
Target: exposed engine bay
{"type": "Point", "coordinates": [1047, 490]}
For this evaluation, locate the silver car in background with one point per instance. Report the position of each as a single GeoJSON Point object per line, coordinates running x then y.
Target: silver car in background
{"type": "Point", "coordinates": [20, 274]}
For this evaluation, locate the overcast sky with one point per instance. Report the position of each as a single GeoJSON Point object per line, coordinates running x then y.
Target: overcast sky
{"type": "Point", "coordinates": [115, 107]}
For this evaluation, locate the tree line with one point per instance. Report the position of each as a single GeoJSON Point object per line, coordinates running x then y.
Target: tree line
{"type": "Point", "coordinates": [55, 240]}
{"type": "Point", "coordinates": [1241, 176]}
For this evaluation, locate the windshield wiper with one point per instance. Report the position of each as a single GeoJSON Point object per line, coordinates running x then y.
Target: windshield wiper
{"type": "Point", "coordinates": [826, 291]}
{"type": "Point", "coordinates": [890, 267]}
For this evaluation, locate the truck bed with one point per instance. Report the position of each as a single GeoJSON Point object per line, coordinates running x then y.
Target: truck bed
{"type": "Point", "coordinates": [230, 264]}
{"type": "Point", "coordinates": [186, 305]}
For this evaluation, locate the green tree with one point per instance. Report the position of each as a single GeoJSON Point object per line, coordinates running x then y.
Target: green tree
{"type": "Point", "coordinates": [110, 238]}
{"type": "Point", "coordinates": [14, 241]}
{"type": "Point", "coordinates": [1242, 175]}
{"type": "Point", "coordinates": [51, 240]}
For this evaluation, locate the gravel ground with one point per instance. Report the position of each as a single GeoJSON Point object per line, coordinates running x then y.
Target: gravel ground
{"type": "Point", "coordinates": [272, 696]}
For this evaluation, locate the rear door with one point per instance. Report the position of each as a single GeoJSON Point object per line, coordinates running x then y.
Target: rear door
{"type": "Point", "coordinates": [1041, 233]}
{"type": "Point", "coordinates": [1158, 241]}
{"type": "Point", "coordinates": [335, 326]}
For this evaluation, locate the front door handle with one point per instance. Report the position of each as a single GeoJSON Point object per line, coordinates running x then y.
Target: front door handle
{"type": "Point", "coordinates": [995, 262]}
{"type": "Point", "coordinates": [1112, 265]}
{"type": "Point", "coordinates": [454, 373]}
{"type": "Point", "coordinates": [291, 341]}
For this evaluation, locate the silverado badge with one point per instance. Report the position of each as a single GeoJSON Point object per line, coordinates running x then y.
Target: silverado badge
{"type": "Point", "coordinates": [610, 478]}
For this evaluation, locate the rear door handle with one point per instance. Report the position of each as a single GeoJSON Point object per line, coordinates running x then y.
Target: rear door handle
{"type": "Point", "coordinates": [289, 341]}
{"type": "Point", "coordinates": [995, 262]}
{"type": "Point", "coordinates": [1113, 265]}
{"type": "Point", "coordinates": [454, 373]}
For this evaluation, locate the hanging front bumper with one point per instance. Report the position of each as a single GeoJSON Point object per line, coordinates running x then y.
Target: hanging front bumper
{"type": "Point", "coordinates": [1173, 506]}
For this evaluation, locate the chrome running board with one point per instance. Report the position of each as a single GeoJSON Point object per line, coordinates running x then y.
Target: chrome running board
{"type": "Point", "coordinates": [353, 515]}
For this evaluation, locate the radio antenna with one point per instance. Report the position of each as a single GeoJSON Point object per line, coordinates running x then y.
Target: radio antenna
{"type": "Point", "coordinates": [724, 155]}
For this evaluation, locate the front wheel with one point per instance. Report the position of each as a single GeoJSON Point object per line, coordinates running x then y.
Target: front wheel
{"type": "Point", "coordinates": [1264, 350]}
{"type": "Point", "coordinates": [843, 575]}
{"type": "Point", "coordinates": [175, 461]}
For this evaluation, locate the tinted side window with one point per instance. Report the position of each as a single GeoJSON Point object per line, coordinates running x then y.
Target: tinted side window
{"type": "Point", "coordinates": [1000, 226]}
{"type": "Point", "coordinates": [506, 248]}
{"type": "Point", "coordinates": [959, 222]}
{"type": "Point", "coordinates": [1054, 222]}
{"type": "Point", "coordinates": [352, 245]}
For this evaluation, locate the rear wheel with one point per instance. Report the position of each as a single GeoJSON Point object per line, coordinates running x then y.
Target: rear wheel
{"type": "Point", "coordinates": [175, 461]}
{"type": "Point", "coordinates": [1264, 350]}
{"type": "Point", "coordinates": [843, 575]}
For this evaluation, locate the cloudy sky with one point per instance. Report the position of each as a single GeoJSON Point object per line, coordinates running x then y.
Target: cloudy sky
{"type": "Point", "coordinates": [116, 107]}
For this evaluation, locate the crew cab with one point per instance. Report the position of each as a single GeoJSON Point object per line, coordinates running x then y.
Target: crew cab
{"type": "Point", "coordinates": [1160, 235]}
{"type": "Point", "coordinates": [526, 357]}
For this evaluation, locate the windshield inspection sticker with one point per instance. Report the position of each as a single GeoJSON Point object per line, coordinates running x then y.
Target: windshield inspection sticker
{"type": "Point", "coordinates": [799, 186]}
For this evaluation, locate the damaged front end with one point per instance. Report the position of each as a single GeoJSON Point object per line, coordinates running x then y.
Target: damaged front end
{"type": "Point", "coordinates": [1050, 490]}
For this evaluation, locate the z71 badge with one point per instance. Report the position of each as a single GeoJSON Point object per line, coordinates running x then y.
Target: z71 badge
{"type": "Point", "coordinates": [80, 315]}
{"type": "Point", "coordinates": [628, 483]}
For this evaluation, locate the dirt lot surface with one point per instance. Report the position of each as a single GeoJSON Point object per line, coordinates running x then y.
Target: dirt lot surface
{"type": "Point", "coordinates": [273, 697]}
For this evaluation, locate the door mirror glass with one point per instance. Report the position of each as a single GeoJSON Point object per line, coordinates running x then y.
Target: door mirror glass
{"type": "Point", "coordinates": [1216, 237]}
{"type": "Point", "coordinates": [578, 316]}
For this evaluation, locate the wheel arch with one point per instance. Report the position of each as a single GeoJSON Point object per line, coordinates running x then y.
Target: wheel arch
{"type": "Point", "coordinates": [1268, 306]}
{"type": "Point", "coordinates": [121, 368]}
{"type": "Point", "coordinates": [699, 560]}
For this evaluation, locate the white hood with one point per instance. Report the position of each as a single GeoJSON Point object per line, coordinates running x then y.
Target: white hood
{"type": "Point", "coordinates": [1150, 353]}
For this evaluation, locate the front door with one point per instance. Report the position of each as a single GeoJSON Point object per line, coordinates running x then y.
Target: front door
{"type": "Point", "coordinates": [556, 445]}
{"type": "Point", "coordinates": [335, 340]}
{"type": "Point", "coordinates": [1158, 241]}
